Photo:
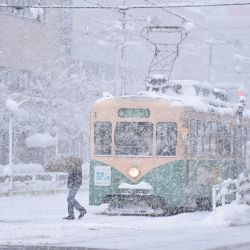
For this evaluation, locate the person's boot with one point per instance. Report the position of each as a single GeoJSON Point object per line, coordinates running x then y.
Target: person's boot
{"type": "Point", "coordinates": [69, 217]}
{"type": "Point", "coordinates": [82, 213]}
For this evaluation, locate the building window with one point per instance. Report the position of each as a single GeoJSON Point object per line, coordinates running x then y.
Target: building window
{"type": "Point", "coordinates": [67, 22]}
{"type": "Point", "coordinates": [15, 80]}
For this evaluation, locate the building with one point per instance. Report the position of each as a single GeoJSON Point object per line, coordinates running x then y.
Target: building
{"type": "Point", "coordinates": [30, 38]}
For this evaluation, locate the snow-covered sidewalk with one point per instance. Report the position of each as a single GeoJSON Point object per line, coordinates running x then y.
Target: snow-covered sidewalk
{"type": "Point", "coordinates": [29, 220]}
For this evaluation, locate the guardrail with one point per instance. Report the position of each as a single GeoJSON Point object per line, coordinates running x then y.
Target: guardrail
{"type": "Point", "coordinates": [33, 183]}
{"type": "Point", "coordinates": [232, 190]}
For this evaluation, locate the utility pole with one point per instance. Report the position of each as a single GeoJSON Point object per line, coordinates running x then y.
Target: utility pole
{"type": "Point", "coordinates": [11, 141]}
{"type": "Point", "coordinates": [123, 78]}
{"type": "Point", "coordinates": [210, 65]}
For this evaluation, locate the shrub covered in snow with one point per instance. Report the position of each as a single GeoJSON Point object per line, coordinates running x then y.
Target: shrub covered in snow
{"type": "Point", "coordinates": [229, 215]}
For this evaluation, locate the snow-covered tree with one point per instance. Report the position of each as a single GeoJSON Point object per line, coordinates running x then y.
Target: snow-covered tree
{"type": "Point", "coordinates": [58, 94]}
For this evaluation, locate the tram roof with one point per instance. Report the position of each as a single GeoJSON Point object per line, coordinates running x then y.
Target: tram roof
{"type": "Point", "coordinates": [139, 97]}
{"type": "Point", "coordinates": [196, 103]}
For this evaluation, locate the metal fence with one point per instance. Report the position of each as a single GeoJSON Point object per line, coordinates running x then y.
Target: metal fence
{"type": "Point", "coordinates": [32, 183]}
{"type": "Point", "coordinates": [232, 190]}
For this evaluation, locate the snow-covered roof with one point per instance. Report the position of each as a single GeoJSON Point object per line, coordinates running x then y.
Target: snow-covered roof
{"type": "Point", "coordinates": [40, 140]}
{"type": "Point", "coordinates": [198, 103]}
{"type": "Point", "coordinates": [200, 96]}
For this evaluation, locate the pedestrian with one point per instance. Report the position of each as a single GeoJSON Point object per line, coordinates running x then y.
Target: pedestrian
{"type": "Point", "coordinates": [73, 184]}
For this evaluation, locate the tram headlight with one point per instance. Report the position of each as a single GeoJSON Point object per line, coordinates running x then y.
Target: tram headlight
{"type": "Point", "coordinates": [134, 172]}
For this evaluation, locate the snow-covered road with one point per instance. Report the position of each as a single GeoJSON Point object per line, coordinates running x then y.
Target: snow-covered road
{"type": "Point", "coordinates": [29, 220]}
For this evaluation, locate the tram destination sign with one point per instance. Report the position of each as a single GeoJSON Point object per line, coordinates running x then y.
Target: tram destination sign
{"type": "Point", "coordinates": [133, 112]}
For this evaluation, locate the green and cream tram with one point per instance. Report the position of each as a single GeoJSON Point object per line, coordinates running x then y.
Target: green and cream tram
{"type": "Point", "coordinates": [150, 156]}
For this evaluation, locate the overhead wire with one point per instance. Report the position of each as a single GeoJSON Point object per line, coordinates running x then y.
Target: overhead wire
{"type": "Point", "coordinates": [129, 7]}
{"type": "Point", "coordinates": [106, 24]}
{"type": "Point", "coordinates": [203, 27]}
{"type": "Point", "coordinates": [145, 49]}
{"type": "Point", "coordinates": [88, 34]}
{"type": "Point", "coordinates": [229, 41]}
{"type": "Point", "coordinates": [105, 39]}
{"type": "Point", "coordinates": [97, 5]}
{"type": "Point", "coordinates": [151, 51]}
{"type": "Point", "coordinates": [115, 11]}
{"type": "Point", "coordinates": [170, 12]}
{"type": "Point", "coordinates": [134, 32]}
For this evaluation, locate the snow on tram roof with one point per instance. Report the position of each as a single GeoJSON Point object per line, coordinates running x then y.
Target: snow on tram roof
{"type": "Point", "coordinates": [200, 96]}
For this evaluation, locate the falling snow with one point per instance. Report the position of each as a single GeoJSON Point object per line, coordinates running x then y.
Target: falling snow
{"type": "Point", "coordinates": [58, 64]}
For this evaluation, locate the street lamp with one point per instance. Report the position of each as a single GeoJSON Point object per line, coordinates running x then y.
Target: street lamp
{"type": "Point", "coordinates": [13, 107]}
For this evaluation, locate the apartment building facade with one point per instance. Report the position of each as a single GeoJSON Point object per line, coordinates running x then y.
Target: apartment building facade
{"type": "Point", "coordinates": [29, 39]}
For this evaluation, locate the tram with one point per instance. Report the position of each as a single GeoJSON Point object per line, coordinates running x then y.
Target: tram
{"type": "Point", "coordinates": [152, 154]}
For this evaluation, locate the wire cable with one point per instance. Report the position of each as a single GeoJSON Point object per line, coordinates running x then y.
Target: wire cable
{"type": "Point", "coordinates": [203, 27]}
{"type": "Point", "coordinates": [98, 6]}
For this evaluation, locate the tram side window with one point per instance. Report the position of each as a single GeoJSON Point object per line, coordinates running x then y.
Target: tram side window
{"type": "Point", "coordinates": [197, 137]}
{"type": "Point", "coordinates": [213, 139]}
{"type": "Point", "coordinates": [103, 138]}
{"type": "Point", "coordinates": [166, 138]}
{"type": "Point", "coordinates": [224, 140]}
{"type": "Point", "coordinates": [244, 135]}
{"type": "Point", "coordinates": [214, 129]}
{"type": "Point", "coordinates": [208, 129]}
{"type": "Point", "coordinates": [200, 128]}
{"type": "Point", "coordinates": [207, 139]}
{"type": "Point", "coordinates": [134, 138]}
{"type": "Point", "coordinates": [194, 141]}
{"type": "Point", "coordinates": [200, 138]}
{"type": "Point", "coordinates": [193, 127]}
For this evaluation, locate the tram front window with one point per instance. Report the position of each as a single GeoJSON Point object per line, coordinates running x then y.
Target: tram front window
{"type": "Point", "coordinates": [103, 138]}
{"type": "Point", "coordinates": [134, 138]}
{"type": "Point", "coordinates": [166, 138]}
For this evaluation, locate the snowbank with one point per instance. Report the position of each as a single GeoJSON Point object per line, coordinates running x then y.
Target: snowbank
{"type": "Point", "coordinates": [229, 215]}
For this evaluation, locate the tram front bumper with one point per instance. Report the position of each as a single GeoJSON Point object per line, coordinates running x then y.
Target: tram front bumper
{"type": "Point", "coordinates": [135, 204]}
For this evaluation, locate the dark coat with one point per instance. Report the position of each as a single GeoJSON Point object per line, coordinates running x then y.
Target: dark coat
{"type": "Point", "coordinates": [74, 178]}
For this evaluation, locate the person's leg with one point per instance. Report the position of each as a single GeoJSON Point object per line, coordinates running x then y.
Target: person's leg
{"type": "Point", "coordinates": [76, 203]}
{"type": "Point", "coordinates": [71, 201]}
{"type": "Point", "coordinates": [80, 208]}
